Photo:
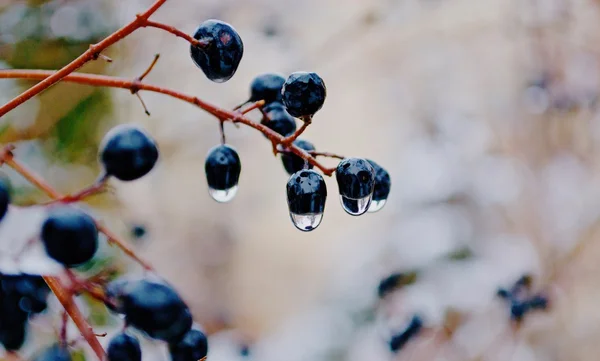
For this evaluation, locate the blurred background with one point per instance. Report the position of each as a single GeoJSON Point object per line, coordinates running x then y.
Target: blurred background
{"type": "Point", "coordinates": [485, 113]}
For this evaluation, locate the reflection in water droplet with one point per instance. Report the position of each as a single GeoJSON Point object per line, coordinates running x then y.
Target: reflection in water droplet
{"type": "Point", "coordinates": [223, 195]}
{"type": "Point", "coordinates": [306, 222]}
{"type": "Point", "coordinates": [356, 207]}
{"type": "Point", "coordinates": [376, 205]}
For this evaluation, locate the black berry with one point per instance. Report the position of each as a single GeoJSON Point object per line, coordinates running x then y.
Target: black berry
{"type": "Point", "coordinates": [220, 58]}
{"type": "Point", "coordinates": [389, 284]}
{"type": "Point", "coordinates": [266, 87]}
{"type": "Point", "coordinates": [303, 94]}
{"type": "Point", "coordinates": [13, 337]}
{"type": "Point", "coordinates": [30, 292]}
{"type": "Point", "coordinates": [293, 163]}
{"type": "Point", "coordinates": [152, 307]}
{"type": "Point", "coordinates": [306, 196]}
{"type": "Point", "coordinates": [128, 152]}
{"type": "Point", "coordinates": [222, 169]}
{"type": "Point", "coordinates": [124, 347]}
{"type": "Point", "coordinates": [54, 353]}
{"type": "Point", "coordinates": [356, 181]}
{"type": "Point", "coordinates": [69, 235]}
{"type": "Point", "coordinates": [538, 302]}
{"type": "Point", "coordinates": [382, 187]}
{"type": "Point", "coordinates": [279, 120]}
{"type": "Point", "coordinates": [4, 199]}
{"type": "Point", "coordinates": [518, 310]}
{"type": "Point", "coordinates": [193, 347]}
{"type": "Point", "coordinates": [399, 340]}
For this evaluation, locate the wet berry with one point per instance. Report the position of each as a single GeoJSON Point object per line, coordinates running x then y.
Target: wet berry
{"type": "Point", "coordinates": [382, 187]}
{"type": "Point", "coordinates": [128, 152]}
{"type": "Point", "coordinates": [266, 87]}
{"type": "Point", "coordinates": [220, 58]}
{"type": "Point", "coordinates": [303, 94]}
{"type": "Point", "coordinates": [193, 347]}
{"type": "Point", "coordinates": [306, 196]}
{"type": "Point", "coordinates": [279, 120]}
{"type": "Point", "coordinates": [152, 307]}
{"type": "Point", "coordinates": [293, 163]}
{"type": "Point", "coordinates": [124, 347]}
{"type": "Point", "coordinates": [356, 182]}
{"type": "Point", "coordinates": [399, 340]}
{"type": "Point", "coordinates": [54, 353]}
{"type": "Point", "coordinates": [222, 169]}
{"type": "Point", "coordinates": [69, 235]}
{"type": "Point", "coordinates": [4, 199]}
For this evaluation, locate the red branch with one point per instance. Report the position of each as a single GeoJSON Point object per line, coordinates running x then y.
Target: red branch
{"type": "Point", "coordinates": [221, 113]}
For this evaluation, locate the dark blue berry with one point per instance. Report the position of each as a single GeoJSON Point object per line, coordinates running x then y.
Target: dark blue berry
{"type": "Point", "coordinates": [124, 347]}
{"type": "Point", "coordinates": [54, 353]}
{"type": "Point", "coordinates": [245, 350]}
{"type": "Point", "coordinates": [383, 182]}
{"type": "Point", "coordinates": [138, 231]}
{"type": "Point", "coordinates": [293, 163]}
{"type": "Point", "coordinates": [303, 94]}
{"type": "Point", "coordinates": [538, 302]}
{"type": "Point", "coordinates": [222, 167]}
{"type": "Point", "coordinates": [356, 181]}
{"type": "Point", "coordinates": [154, 308]}
{"type": "Point", "coordinates": [220, 58]}
{"type": "Point", "coordinates": [69, 235]}
{"type": "Point", "coordinates": [279, 120]}
{"type": "Point", "coordinates": [193, 347]}
{"type": "Point", "coordinates": [389, 284]}
{"type": "Point", "coordinates": [128, 152]}
{"type": "Point", "coordinates": [518, 310]}
{"type": "Point", "coordinates": [266, 87]}
{"type": "Point", "coordinates": [399, 340]}
{"type": "Point", "coordinates": [306, 196]}
{"type": "Point", "coordinates": [31, 291]}
{"type": "Point", "coordinates": [12, 338]}
{"type": "Point", "coordinates": [503, 293]}
{"type": "Point", "coordinates": [4, 199]}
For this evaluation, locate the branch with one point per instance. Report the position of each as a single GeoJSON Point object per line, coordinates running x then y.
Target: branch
{"type": "Point", "coordinates": [176, 32]}
{"type": "Point", "coordinates": [92, 53]}
{"type": "Point", "coordinates": [222, 114]}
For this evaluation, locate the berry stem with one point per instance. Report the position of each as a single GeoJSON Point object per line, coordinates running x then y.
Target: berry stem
{"type": "Point", "coordinates": [89, 55]}
{"type": "Point", "coordinates": [287, 141]}
{"type": "Point", "coordinates": [325, 154]}
{"type": "Point", "coordinates": [258, 104]}
{"type": "Point", "coordinates": [173, 30]}
{"type": "Point", "coordinates": [7, 158]}
{"type": "Point", "coordinates": [149, 69]}
{"type": "Point", "coordinates": [220, 113]}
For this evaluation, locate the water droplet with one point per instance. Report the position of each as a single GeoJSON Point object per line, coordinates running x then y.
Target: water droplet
{"type": "Point", "coordinates": [223, 195]}
{"type": "Point", "coordinates": [306, 222]}
{"type": "Point", "coordinates": [356, 207]}
{"type": "Point", "coordinates": [376, 205]}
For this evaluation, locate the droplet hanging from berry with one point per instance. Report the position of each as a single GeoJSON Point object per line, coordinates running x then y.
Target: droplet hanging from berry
{"type": "Point", "coordinates": [356, 181]}
{"type": "Point", "coordinates": [381, 191]}
{"type": "Point", "coordinates": [222, 169]}
{"type": "Point", "coordinates": [306, 196]}
{"type": "Point", "coordinates": [303, 94]}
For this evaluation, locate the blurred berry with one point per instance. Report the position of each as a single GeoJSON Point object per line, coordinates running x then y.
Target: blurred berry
{"type": "Point", "coordinates": [124, 347]}
{"type": "Point", "coordinates": [399, 340]}
{"type": "Point", "coordinates": [389, 284]}
{"type": "Point", "coordinates": [538, 302]}
{"type": "Point", "coordinates": [266, 87]}
{"type": "Point", "coordinates": [518, 309]}
{"type": "Point", "coordinates": [382, 187]}
{"type": "Point", "coordinates": [54, 353]}
{"type": "Point", "coordinates": [193, 347]}
{"type": "Point", "coordinates": [306, 196]}
{"type": "Point", "coordinates": [293, 163]}
{"type": "Point", "coordinates": [303, 94]}
{"type": "Point", "coordinates": [4, 199]}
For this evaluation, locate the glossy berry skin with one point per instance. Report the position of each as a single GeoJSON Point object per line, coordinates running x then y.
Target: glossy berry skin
{"type": "Point", "coordinates": [266, 87]}
{"type": "Point", "coordinates": [293, 163]}
{"type": "Point", "coordinates": [383, 182]}
{"type": "Point", "coordinates": [303, 94]}
{"type": "Point", "coordinates": [306, 192]}
{"type": "Point", "coordinates": [218, 60]}
{"type": "Point", "coordinates": [152, 307]}
{"type": "Point", "coordinates": [69, 235]}
{"type": "Point", "coordinates": [279, 120]}
{"type": "Point", "coordinates": [54, 353]}
{"type": "Point", "coordinates": [124, 347]}
{"type": "Point", "coordinates": [193, 347]}
{"type": "Point", "coordinates": [128, 152]}
{"type": "Point", "coordinates": [4, 199]}
{"type": "Point", "coordinates": [355, 178]}
{"type": "Point", "coordinates": [222, 167]}
{"type": "Point", "coordinates": [401, 339]}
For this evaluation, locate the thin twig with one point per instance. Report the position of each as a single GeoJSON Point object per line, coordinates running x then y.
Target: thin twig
{"type": "Point", "coordinates": [258, 104]}
{"type": "Point", "coordinates": [149, 69]}
{"type": "Point", "coordinates": [314, 153]}
{"type": "Point", "coordinates": [171, 29]}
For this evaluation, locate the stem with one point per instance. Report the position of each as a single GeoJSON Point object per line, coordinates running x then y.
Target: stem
{"type": "Point", "coordinates": [173, 30]}
{"type": "Point", "coordinates": [326, 154]}
{"type": "Point", "coordinates": [222, 114]}
{"type": "Point", "coordinates": [258, 104]}
{"type": "Point", "coordinates": [87, 56]}
{"type": "Point", "coordinates": [286, 142]}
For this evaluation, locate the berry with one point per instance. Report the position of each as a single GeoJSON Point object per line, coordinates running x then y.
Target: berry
{"type": "Point", "coordinates": [193, 347]}
{"type": "Point", "coordinates": [31, 291]}
{"type": "Point", "coordinates": [154, 308]}
{"type": "Point", "coordinates": [220, 58]}
{"type": "Point", "coordinates": [518, 310]}
{"type": "Point", "coordinates": [503, 293]}
{"type": "Point", "coordinates": [293, 163]}
{"type": "Point", "coordinates": [382, 187]}
{"type": "Point", "coordinates": [128, 152]}
{"type": "Point", "coordinates": [222, 169]}
{"type": "Point", "coordinates": [401, 339]}
{"type": "Point", "coordinates": [279, 120]}
{"type": "Point", "coordinates": [538, 302]}
{"type": "Point", "coordinates": [266, 87]}
{"type": "Point", "coordinates": [356, 182]}
{"type": "Point", "coordinates": [306, 195]}
{"type": "Point", "coordinates": [69, 235]}
{"type": "Point", "coordinates": [303, 94]}
{"type": "Point", "coordinates": [389, 284]}
{"type": "Point", "coordinates": [54, 353]}
{"type": "Point", "coordinates": [4, 199]}
{"type": "Point", "coordinates": [13, 338]}
{"type": "Point", "coordinates": [124, 347]}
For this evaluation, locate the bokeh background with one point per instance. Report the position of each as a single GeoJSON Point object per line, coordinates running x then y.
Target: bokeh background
{"type": "Point", "coordinates": [484, 112]}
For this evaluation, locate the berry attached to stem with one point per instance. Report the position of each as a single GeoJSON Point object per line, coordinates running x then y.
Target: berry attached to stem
{"type": "Point", "coordinates": [293, 163]}
{"type": "Point", "coordinates": [303, 94]}
{"type": "Point", "coordinates": [218, 60]}
{"type": "Point", "coordinates": [279, 120]}
{"type": "Point", "coordinates": [193, 347]}
{"type": "Point", "coordinates": [356, 182]}
{"type": "Point", "coordinates": [306, 196]}
{"type": "Point", "coordinates": [266, 87]}
{"type": "Point", "coordinates": [223, 168]}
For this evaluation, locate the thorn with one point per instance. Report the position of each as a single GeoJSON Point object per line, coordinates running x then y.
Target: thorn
{"type": "Point", "coordinates": [149, 69]}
